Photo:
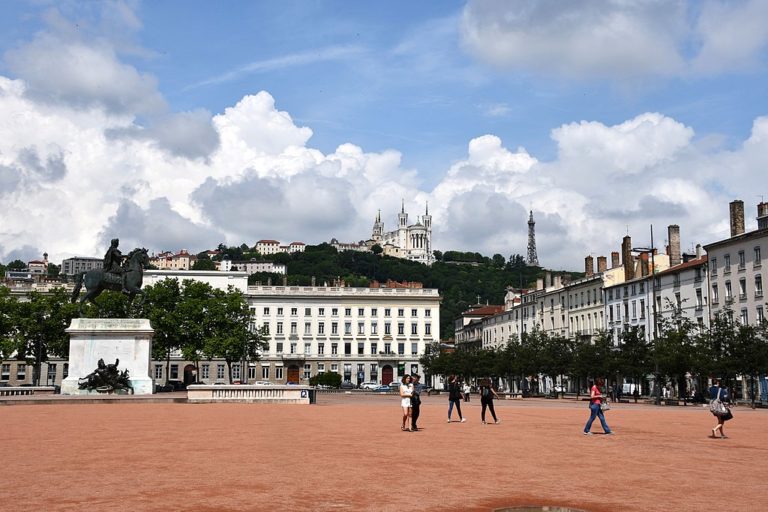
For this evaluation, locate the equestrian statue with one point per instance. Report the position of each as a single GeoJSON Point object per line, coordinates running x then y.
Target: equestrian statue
{"type": "Point", "coordinates": [119, 273]}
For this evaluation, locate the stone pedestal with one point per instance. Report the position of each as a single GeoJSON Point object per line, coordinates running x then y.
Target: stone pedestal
{"type": "Point", "coordinates": [126, 339]}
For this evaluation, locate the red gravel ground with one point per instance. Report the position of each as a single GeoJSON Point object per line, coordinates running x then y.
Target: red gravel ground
{"type": "Point", "coordinates": [347, 453]}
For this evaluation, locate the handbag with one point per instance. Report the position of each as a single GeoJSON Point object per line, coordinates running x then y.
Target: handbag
{"type": "Point", "coordinates": [605, 406]}
{"type": "Point", "coordinates": [716, 406]}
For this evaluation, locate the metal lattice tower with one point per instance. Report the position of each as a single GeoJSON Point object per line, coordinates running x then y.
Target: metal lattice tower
{"type": "Point", "coordinates": [532, 258]}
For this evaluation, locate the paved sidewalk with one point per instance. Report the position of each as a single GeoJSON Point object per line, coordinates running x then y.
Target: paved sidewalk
{"type": "Point", "coordinates": [348, 454]}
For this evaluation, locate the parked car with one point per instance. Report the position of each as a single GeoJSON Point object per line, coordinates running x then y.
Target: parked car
{"type": "Point", "coordinates": [394, 385]}
{"type": "Point", "coordinates": [369, 385]}
{"type": "Point", "coordinates": [383, 389]}
{"type": "Point", "coordinates": [347, 385]}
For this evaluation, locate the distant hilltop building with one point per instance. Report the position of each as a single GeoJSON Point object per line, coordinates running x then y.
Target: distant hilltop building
{"type": "Point", "coordinates": [274, 247]}
{"type": "Point", "coordinates": [75, 265]}
{"type": "Point", "coordinates": [170, 261]}
{"type": "Point", "coordinates": [411, 242]}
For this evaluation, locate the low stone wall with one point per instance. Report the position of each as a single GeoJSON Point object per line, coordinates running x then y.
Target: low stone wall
{"type": "Point", "coordinates": [26, 390]}
{"type": "Point", "coordinates": [276, 394]}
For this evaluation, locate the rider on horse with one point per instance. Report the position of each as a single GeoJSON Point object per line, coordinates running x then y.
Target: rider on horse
{"type": "Point", "coordinates": [113, 263]}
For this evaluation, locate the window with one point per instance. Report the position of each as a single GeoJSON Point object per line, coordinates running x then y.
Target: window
{"type": "Point", "coordinates": [401, 329]}
{"type": "Point", "coordinates": [347, 311]}
{"type": "Point", "coordinates": [401, 312]}
{"type": "Point", "coordinates": [414, 349]}
{"type": "Point", "coordinates": [219, 371]}
{"type": "Point", "coordinates": [374, 312]}
{"type": "Point", "coordinates": [293, 348]}
{"type": "Point", "coordinates": [744, 317]}
{"type": "Point", "coordinates": [347, 328]}
{"type": "Point", "coordinates": [374, 328]}
{"type": "Point", "coordinates": [279, 311]}
{"type": "Point", "coordinates": [51, 373]}
{"type": "Point", "coordinates": [757, 262]}
{"type": "Point", "coordinates": [374, 371]}
{"type": "Point", "coordinates": [713, 266]}
{"type": "Point", "coordinates": [610, 294]}
{"type": "Point", "coordinates": [321, 328]}
{"type": "Point", "coordinates": [387, 328]}
{"type": "Point", "coordinates": [334, 311]}
{"type": "Point", "coordinates": [414, 329]}
{"type": "Point", "coordinates": [760, 314]}
{"type": "Point", "coordinates": [742, 260]}
{"type": "Point", "coordinates": [727, 260]}
{"type": "Point", "coordinates": [642, 309]}
{"type": "Point", "coordinates": [279, 372]}
{"type": "Point", "coordinates": [321, 348]}
{"type": "Point", "coordinates": [728, 290]}
{"type": "Point", "coordinates": [21, 372]}
{"type": "Point", "coordinates": [335, 367]}
{"type": "Point", "coordinates": [307, 311]}
{"type": "Point", "coordinates": [307, 348]}
{"type": "Point", "coordinates": [360, 349]}
{"type": "Point", "coordinates": [401, 349]}
{"type": "Point", "coordinates": [174, 371]}
{"type": "Point", "coordinates": [334, 348]}
{"type": "Point", "coordinates": [279, 328]}
{"type": "Point", "coordinates": [320, 367]}
{"type": "Point", "coordinates": [347, 349]}
{"type": "Point", "coordinates": [307, 328]}
{"type": "Point", "coordinates": [294, 328]}
{"type": "Point", "coordinates": [206, 371]}
{"type": "Point", "coordinates": [634, 309]}
{"type": "Point", "coordinates": [360, 311]}
{"type": "Point", "coordinates": [715, 297]}
{"type": "Point", "coordinates": [361, 328]}
{"type": "Point", "coordinates": [265, 372]}
{"type": "Point", "coordinates": [387, 348]}
{"type": "Point", "coordinates": [294, 311]}
{"type": "Point", "coordinates": [414, 312]}
{"type": "Point", "coordinates": [5, 372]}
{"type": "Point", "coordinates": [427, 312]}
{"type": "Point", "coordinates": [387, 312]}
{"type": "Point", "coordinates": [758, 286]}
{"type": "Point", "coordinates": [334, 328]}
{"type": "Point", "coordinates": [252, 371]}
{"type": "Point", "coordinates": [427, 329]}
{"type": "Point", "coordinates": [374, 348]}
{"type": "Point", "coordinates": [321, 311]}
{"type": "Point", "coordinates": [699, 301]}
{"type": "Point", "coordinates": [279, 347]}
{"type": "Point", "coordinates": [642, 287]}
{"type": "Point", "coordinates": [307, 371]}
{"type": "Point", "coordinates": [742, 288]}
{"type": "Point", "coordinates": [236, 371]}
{"type": "Point", "coordinates": [266, 311]}
{"type": "Point", "coordinates": [158, 371]}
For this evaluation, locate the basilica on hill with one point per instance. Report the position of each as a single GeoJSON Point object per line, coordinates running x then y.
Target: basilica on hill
{"type": "Point", "coordinates": [411, 242]}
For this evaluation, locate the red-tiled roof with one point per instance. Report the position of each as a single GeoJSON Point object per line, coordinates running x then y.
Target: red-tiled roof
{"type": "Point", "coordinates": [298, 243]}
{"type": "Point", "coordinates": [484, 311]}
{"type": "Point", "coordinates": [267, 242]}
{"type": "Point", "coordinates": [683, 266]}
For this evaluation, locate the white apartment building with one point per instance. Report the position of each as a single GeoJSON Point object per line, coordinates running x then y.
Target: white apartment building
{"type": "Point", "coordinates": [251, 267]}
{"type": "Point", "coordinates": [364, 334]}
{"type": "Point", "coordinates": [274, 247]}
{"type": "Point", "coordinates": [77, 264]}
{"type": "Point", "coordinates": [736, 270]}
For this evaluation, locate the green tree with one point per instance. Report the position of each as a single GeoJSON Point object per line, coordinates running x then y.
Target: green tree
{"type": "Point", "coordinates": [634, 357]}
{"type": "Point", "coordinates": [556, 356]}
{"type": "Point", "coordinates": [204, 264]}
{"type": "Point", "coordinates": [16, 265]}
{"type": "Point", "coordinates": [376, 249]}
{"type": "Point", "coordinates": [498, 261]}
{"type": "Point", "coordinates": [53, 270]}
{"type": "Point", "coordinates": [160, 307]}
{"type": "Point", "coordinates": [8, 321]}
{"type": "Point", "coordinates": [677, 350]}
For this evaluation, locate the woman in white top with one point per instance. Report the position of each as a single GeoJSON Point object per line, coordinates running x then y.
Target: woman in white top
{"type": "Point", "coordinates": [406, 390]}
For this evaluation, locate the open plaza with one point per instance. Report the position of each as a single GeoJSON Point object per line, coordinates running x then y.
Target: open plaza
{"type": "Point", "coordinates": [347, 453]}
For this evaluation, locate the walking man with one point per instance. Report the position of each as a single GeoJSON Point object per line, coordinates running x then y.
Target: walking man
{"type": "Point", "coordinates": [415, 402]}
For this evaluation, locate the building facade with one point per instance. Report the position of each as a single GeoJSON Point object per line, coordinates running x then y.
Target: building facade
{"type": "Point", "coordinates": [77, 264]}
{"type": "Point", "coordinates": [170, 261]}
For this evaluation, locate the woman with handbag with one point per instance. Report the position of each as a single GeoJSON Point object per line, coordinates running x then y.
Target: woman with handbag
{"type": "Point", "coordinates": [719, 405]}
{"type": "Point", "coordinates": [596, 399]}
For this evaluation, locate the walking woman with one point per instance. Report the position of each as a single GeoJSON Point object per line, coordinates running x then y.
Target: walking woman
{"type": "Point", "coordinates": [595, 400]}
{"type": "Point", "coordinates": [487, 393]}
{"type": "Point", "coordinates": [406, 390]}
{"type": "Point", "coordinates": [454, 397]}
{"type": "Point", "coordinates": [717, 392]}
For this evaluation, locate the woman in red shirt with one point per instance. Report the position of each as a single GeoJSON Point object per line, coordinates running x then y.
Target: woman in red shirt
{"type": "Point", "coordinates": [595, 399]}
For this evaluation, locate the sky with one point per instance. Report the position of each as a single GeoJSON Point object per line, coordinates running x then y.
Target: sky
{"type": "Point", "coordinates": [181, 125]}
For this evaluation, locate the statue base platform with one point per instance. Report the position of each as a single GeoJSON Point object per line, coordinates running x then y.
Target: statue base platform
{"type": "Point", "coordinates": [126, 339]}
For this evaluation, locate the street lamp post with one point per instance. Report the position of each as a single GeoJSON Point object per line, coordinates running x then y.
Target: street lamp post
{"type": "Point", "coordinates": [652, 250]}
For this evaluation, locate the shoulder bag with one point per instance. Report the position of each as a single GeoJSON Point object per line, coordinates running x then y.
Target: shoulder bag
{"type": "Point", "coordinates": [605, 405]}
{"type": "Point", "coordinates": [716, 406]}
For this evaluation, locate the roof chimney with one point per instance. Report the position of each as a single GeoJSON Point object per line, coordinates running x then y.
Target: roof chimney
{"type": "Point", "coordinates": [698, 251]}
{"type": "Point", "coordinates": [626, 255]}
{"type": "Point", "coordinates": [737, 217]}
{"type": "Point", "coordinates": [762, 215]}
{"type": "Point", "coordinates": [675, 257]}
{"type": "Point", "coordinates": [602, 264]}
{"type": "Point", "coordinates": [589, 266]}
{"type": "Point", "coordinates": [615, 262]}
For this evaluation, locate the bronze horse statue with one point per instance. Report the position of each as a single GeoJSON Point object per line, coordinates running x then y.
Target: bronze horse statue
{"type": "Point", "coordinates": [97, 280]}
